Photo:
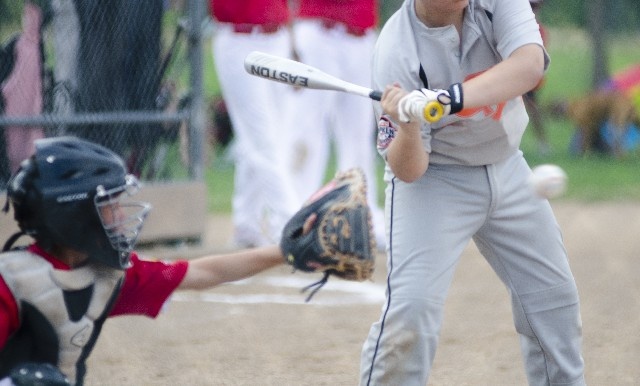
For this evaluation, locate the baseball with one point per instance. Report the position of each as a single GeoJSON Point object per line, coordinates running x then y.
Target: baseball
{"type": "Point", "coordinates": [548, 181]}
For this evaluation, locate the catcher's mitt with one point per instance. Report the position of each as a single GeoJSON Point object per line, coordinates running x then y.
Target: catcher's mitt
{"type": "Point", "coordinates": [341, 241]}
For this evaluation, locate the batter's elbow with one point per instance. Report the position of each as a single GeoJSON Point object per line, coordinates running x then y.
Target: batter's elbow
{"type": "Point", "coordinates": [410, 176]}
{"type": "Point", "coordinates": [530, 62]}
{"type": "Point", "coordinates": [537, 67]}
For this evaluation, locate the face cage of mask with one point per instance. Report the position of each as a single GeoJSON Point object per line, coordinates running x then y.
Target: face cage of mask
{"type": "Point", "coordinates": [120, 218]}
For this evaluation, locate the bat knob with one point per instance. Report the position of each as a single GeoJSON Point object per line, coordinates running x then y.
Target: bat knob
{"type": "Point", "coordinates": [433, 112]}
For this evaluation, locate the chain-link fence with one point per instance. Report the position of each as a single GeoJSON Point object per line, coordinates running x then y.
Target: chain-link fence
{"type": "Point", "coordinates": [125, 74]}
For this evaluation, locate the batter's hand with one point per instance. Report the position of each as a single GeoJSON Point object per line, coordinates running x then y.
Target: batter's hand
{"type": "Point", "coordinates": [390, 101]}
{"type": "Point", "coordinates": [430, 106]}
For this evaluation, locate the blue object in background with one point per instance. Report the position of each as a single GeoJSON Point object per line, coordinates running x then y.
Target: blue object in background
{"type": "Point", "coordinates": [630, 139]}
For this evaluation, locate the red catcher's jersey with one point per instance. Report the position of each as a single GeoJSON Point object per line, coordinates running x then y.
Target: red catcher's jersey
{"type": "Point", "coordinates": [146, 287]}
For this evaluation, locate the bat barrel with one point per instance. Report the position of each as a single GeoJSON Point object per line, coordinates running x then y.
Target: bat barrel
{"type": "Point", "coordinates": [298, 74]}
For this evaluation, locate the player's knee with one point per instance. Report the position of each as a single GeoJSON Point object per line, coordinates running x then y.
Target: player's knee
{"type": "Point", "coordinates": [557, 305]}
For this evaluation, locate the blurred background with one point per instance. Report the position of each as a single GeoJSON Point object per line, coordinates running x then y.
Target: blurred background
{"type": "Point", "coordinates": [142, 82]}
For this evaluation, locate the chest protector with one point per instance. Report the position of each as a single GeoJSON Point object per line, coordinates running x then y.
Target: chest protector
{"type": "Point", "coordinates": [61, 312]}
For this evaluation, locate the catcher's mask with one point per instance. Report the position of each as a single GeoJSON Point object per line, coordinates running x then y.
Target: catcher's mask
{"type": "Point", "coordinates": [70, 193]}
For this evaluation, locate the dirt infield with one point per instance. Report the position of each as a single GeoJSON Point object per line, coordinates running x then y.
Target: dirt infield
{"type": "Point", "coordinates": [260, 331]}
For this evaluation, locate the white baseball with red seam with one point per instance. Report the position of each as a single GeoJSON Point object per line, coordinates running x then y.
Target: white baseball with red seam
{"type": "Point", "coordinates": [548, 181]}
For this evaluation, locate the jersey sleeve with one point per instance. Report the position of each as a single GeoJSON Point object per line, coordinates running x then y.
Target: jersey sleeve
{"type": "Point", "coordinates": [9, 320]}
{"type": "Point", "coordinates": [515, 25]}
{"type": "Point", "coordinates": [147, 286]}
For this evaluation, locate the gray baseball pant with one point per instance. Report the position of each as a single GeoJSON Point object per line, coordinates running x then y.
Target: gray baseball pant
{"type": "Point", "coordinates": [430, 222]}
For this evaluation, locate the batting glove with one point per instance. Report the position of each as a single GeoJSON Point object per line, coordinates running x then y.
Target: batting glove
{"type": "Point", "coordinates": [430, 106]}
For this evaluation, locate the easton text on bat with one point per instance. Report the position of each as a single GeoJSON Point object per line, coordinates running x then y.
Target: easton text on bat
{"type": "Point", "coordinates": [280, 76]}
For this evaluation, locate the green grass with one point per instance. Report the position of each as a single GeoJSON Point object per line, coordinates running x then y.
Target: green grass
{"type": "Point", "coordinates": [591, 178]}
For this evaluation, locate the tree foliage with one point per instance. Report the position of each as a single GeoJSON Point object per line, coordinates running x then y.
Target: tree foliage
{"type": "Point", "coordinates": [8, 11]}
{"type": "Point", "coordinates": [618, 15]}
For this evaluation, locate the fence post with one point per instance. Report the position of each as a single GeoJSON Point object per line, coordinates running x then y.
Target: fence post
{"type": "Point", "coordinates": [197, 118]}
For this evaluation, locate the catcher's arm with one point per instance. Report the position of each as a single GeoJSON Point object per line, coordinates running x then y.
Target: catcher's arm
{"type": "Point", "coordinates": [210, 271]}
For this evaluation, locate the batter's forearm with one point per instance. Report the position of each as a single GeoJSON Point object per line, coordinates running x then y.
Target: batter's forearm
{"type": "Point", "coordinates": [515, 76]}
{"type": "Point", "coordinates": [406, 156]}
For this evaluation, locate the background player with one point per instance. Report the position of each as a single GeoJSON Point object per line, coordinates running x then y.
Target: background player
{"type": "Point", "coordinates": [461, 178]}
{"type": "Point", "coordinates": [336, 37]}
{"type": "Point", "coordinates": [264, 197]}
{"type": "Point", "coordinates": [530, 98]}
{"type": "Point", "coordinates": [74, 198]}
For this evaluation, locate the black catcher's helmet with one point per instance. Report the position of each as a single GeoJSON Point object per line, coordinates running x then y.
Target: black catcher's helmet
{"type": "Point", "coordinates": [69, 193]}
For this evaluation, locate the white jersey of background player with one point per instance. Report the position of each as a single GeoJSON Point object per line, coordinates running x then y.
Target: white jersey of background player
{"type": "Point", "coordinates": [464, 178]}
{"type": "Point", "coordinates": [336, 37]}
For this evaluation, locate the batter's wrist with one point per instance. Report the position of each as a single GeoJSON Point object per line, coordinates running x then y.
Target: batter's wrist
{"type": "Point", "coordinates": [457, 99]}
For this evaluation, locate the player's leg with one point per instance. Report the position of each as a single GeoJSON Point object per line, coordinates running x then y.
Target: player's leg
{"type": "Point", "coordinates": [432, 220]}
{"type": "Point", "coordinates": [246, 208]}
{"type": "Point", "coordinates": [307, 115]}
{"type": "Point", "coordinates": [354, 130]}
{"type": "Point", "coordinates": [523, 244]}
{"type": "Point", "coordinates": [255, 110]}
{"type": "Point", "coordinates": [281, 199]}
{"type": "Point", "coordinates": [537, 124]}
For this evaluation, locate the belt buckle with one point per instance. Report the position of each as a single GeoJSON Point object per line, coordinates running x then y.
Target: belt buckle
{"type": "Point", "coordinates": [269, 28]}
{"type": "Point", "coordinates": [356, 31]}
{"type": "Point", "coordinates": [259, 28]}
{"type": "Point", "coordinates": [329, 24]}
{"type": "Point", "coordinates": [349, 29]}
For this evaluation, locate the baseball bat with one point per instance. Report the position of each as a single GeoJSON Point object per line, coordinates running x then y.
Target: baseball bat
{"type": "Point", "coordinates": [298, 74]}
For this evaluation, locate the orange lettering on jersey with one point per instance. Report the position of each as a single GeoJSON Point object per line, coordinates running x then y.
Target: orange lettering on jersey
{"type": "Point", "coordinates": [494, 111]}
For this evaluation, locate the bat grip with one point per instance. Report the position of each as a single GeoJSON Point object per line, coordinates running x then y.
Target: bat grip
{"type": "Point", "coordinates": [375, 95]}
{"type": "Point", "coordinates": [433, 112]}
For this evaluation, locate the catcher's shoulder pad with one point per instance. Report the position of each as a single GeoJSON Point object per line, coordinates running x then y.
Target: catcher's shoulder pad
{"type": "Point", "coordinates": [341, 240]}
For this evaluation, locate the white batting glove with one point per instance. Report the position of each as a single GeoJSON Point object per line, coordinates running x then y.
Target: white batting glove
{"type": "Point", "coordinates": [410, 106]}
{"type": "Point", "coordinates": [426, 105]}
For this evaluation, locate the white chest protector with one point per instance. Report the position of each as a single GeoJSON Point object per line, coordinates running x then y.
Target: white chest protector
{"type": "Point", "coordinates": [61, 312]}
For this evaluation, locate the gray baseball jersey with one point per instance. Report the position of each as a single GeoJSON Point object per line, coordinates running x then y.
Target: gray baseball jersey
{"type": "Point", "coordinates": [435, 58]}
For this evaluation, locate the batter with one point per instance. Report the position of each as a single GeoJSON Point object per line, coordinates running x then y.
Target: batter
{"type": "Point", "coordinates": [465, 178]}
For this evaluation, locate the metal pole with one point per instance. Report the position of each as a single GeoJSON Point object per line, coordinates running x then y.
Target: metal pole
{"type": "Point", "coordinates": [101, 118]}
{"type": "Point", "coordinates": [197, 119]}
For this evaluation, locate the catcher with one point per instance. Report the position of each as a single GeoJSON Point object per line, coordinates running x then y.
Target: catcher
{"type": "Point", "coordinates": [74, 198]}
